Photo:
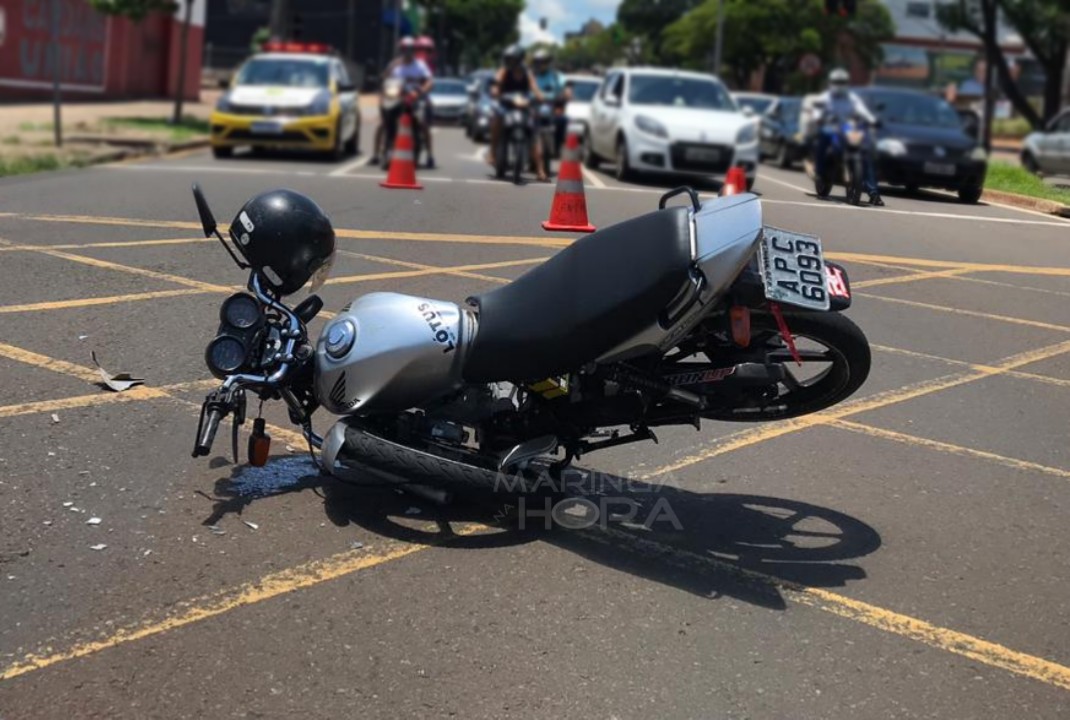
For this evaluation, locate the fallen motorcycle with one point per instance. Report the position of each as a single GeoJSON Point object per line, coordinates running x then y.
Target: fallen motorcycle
{"type": "Point", "coordinates": [687, 313]}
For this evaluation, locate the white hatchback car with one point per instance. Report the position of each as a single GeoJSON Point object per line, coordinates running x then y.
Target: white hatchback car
{"type": "Point", "coordinates": [654, 120]}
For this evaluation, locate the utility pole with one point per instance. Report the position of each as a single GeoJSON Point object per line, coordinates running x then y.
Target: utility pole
{"type": "Point", "coordinates": [718, 47]}
{"type": "Point", "coordinates": [988, 19]}
{"type": "Point", "coordinates": [56, 69]}
{"type": "Point", "coordinates": [351, 34]}
{"type": "Point", "coordinates": [280, 19]}
{"type": "Point", "coordinates": [183, 52]}
{"type": "Point", "coordinates": [397, 23]}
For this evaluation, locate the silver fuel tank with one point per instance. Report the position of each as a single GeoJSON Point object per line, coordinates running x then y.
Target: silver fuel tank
{"type": "Point", "coordinates": [387, 352]}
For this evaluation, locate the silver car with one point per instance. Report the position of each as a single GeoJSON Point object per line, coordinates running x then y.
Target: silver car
{"type": "Point", "coordinates": [1048, 151]}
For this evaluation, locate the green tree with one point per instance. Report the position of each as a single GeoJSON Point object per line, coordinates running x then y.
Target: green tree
{"type": "Point", "coordinates": [647, 18]}
{"type": "Point", "coordinates": [604, 49]}
{"type": "Point", "coordinates": [476, 30]}
{"type": "Point", "coordinates": [773, 35]}
{"type": "Point", "coordinates": [1044, 26]}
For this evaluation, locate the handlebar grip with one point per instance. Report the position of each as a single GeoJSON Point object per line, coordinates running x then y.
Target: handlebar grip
{"type": "Point", "coordinates": [204, 442]}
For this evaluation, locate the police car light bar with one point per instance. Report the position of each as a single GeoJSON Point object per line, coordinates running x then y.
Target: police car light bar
{"type": "Point", "coordinates": [297, 47]}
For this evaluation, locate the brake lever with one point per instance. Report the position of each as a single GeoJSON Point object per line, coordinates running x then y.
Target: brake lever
{"type": "Point", "coordinates": [238, 419]}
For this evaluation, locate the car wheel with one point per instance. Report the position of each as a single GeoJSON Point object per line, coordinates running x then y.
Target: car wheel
{"type": "Point", "coordinates": [339, 149]}
{"type": "Point", "coordinates": [970, 194]}
{"type": "Point", "coordinates": [222, 152]}
{"type": "Point", "coordinates": [1030, 163]}
{"type": "Point", "coordinates": [624, 171]}
{"type": "Point", "coordinates": [590, 157]}
{"type": "Point", "coordinates": [353, 144]}
{"type": "Point", "coordinates": [783, 156]}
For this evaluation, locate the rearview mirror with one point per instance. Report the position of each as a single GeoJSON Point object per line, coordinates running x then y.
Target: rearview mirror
{"type": "Point", "coordinates": [208, 223]}
{"type": "Point", "coordinates": [224, 83]}
{"type": "Point", "coordinates": [748, 111]}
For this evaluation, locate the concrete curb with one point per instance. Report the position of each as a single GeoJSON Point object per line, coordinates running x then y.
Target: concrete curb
{"type": "Point", "coordinates": [1049, 207]}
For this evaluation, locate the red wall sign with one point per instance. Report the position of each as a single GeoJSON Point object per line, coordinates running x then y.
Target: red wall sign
{"type": "Point", "coordinates": [26, 57]}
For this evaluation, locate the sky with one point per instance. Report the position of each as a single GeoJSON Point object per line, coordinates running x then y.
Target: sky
{"type": "Point", "coordinates": [562, 16]}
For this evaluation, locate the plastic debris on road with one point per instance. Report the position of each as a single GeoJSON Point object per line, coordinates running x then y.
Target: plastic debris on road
{"type": "Point", "coordinates": [93, 521]}
{"type": "Point", "coordinates": [98, 546]}
{"type": "Point", "coordinates": [253, 525]}
{"type": "Point", "coordinates": [356, 545]}
{"type": "Point", "coordinates": [55, 418]}
{"type": "Point", "coordinates": [118, 381]}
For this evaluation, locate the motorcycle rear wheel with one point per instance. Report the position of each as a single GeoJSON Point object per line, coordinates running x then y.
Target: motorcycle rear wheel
{"type": "Point", "coordinates": [842, 351]}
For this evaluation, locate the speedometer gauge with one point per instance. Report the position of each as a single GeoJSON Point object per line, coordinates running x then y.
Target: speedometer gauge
{"type": "Point", "coordinates": [225, 355]}
{"type": "Point", "coordinates": [241, 311]}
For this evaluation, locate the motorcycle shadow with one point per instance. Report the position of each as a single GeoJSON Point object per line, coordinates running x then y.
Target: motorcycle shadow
{"type": "Point", "coordinates": [749, 547]}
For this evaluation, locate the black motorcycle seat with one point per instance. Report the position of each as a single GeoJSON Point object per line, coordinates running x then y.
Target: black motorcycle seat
{"type": "Point", "coordinates": [581, 303]}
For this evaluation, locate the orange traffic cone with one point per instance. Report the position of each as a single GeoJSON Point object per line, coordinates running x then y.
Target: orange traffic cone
{"type": "Point", "coordinates": [402, 174]}
{"type": "Point", "coordinates": [735, 182]}
{"type": "Point", "coordinates": [569, 211]}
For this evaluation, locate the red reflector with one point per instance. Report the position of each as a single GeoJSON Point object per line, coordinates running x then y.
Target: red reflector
{"type": "Point", "coordinates": [739, 318]}
{"type": "Point", "coordinates": [259, 444]}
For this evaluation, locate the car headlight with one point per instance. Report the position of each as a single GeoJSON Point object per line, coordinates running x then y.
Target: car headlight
{"type": "Point", "coordinates": [747, 134]}
{"type": "Point", "coordinates": [321, 105]}
{"type": "Point", "coordinates": [223, 103]}
{"type": "Point", "coordinates": [978, 153]}
{"type": "Point", "coordinates": [892, 146]}
{"type": "Point", "coordinates": [651, 126]}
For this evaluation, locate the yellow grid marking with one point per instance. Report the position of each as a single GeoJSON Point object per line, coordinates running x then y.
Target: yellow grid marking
{"type": "Point", "coordinates": [947, 447]}
{"type": "Point", "coordinates": [431, 270]}
{"type": "Point", "coordinates": [974, 366]}
{"type": "Point", "coordinates": [889, 621]}
{"type": "Point", "coordinates": [968, 313]}
{"type": "Point", "coordinates": [108, 265]}
{"type": "Point", "coordinates": [747, 438]}
{"type": "Point", "coordinates": [113, 244]}
{"type": "Point", "coordinates": [315, 572]}
{"type": "Point", "coordinates": [421, 266]}
{"type": "Point", "coordinates": [89, 302]}
{"type": "Point", "coordinates": [268, 587]}
{"type": "Point", "coordinates": [547, 242]}
{"type": "Point", "coordinates": [913, 277]}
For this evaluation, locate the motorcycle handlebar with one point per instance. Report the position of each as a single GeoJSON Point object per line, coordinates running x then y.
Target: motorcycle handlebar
{"type": "Point", "coordinates": [208, 431]}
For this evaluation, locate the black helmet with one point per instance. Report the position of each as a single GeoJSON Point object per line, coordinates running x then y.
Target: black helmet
{"type": "Point", "coordinates": [514, 52]}
{"type": "Point", "coordinates": [286, 238]}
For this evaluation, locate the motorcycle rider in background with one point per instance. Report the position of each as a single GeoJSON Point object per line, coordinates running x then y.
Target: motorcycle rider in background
{"type": "Point", "coordinates": [552, 85]}
{"type": "Point", "coordinates": [513, 77]}
{"type": "Point", "coordinates": [416, 75]}
{"type": "Point", "coordinates": [839, 102]}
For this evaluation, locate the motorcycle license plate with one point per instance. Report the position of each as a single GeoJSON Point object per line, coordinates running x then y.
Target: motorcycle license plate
{"type": "Point", "coordinates": [793, 269]}
{"type": "Point", "coordinates": [932, 168]}
{"type": "Point", "coordinates": [702, 155]}
{"type": "Point", "coordinates": [266, 128]}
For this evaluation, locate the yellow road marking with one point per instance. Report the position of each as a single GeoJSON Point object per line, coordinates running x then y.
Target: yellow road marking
{"type": "Point", "coordinates": [421, 266]}
{"type": "Point", "coordinates": [900, 279]}
{"type": "Point", "coordinates": [89, 302]}
{"type": "Point", "coordinates": [889, 621]}
{"type": "Point", "coordinates": [166, 277]}
{"type": "Point", "coordinates": [43, 361]}
{"type": "Point", "coordinates": [113, 244]}
{"type": "Point", "coordinates": [948, 447]}
{"type": "Point", "coordinates": [747, 438]}
{"type": "Point", "coordinates": [973, 267]}
{"type": "Point", "coordinates": [432, 271]}
{"type": "Point", "coordinates": [316, 572]}
{"type": "Point", "coordinates": [79, 401]}
{"type": "Point", "coordinates": [974, 366]}
{"type": "Point", "coordinates": [543, 241]}
{"type": "Point", "coordinates": [268, 587]}
{"type": "Point", "coordinates": [969, 313]}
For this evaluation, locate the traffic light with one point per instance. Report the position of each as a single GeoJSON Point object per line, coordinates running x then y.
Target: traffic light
{"type": "Point", "coordinates": [297, 26]}
{"type": "Point", "coordinates": [832, 7]}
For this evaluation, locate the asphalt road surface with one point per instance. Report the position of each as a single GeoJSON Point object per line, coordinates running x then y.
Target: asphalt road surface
{"type": "Point", "coordinates": [904, 555]}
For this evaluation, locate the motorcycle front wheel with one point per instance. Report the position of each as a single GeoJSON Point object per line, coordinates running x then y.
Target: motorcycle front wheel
{"type": "Point", "coordinates": [835, 358]}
